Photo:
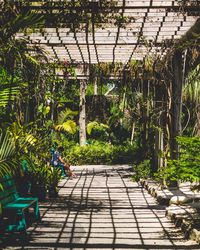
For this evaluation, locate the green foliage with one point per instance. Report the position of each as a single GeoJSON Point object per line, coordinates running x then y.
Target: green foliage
{"type": "Point", "coordinates": [8, 161]}
{"type": "Point", "coordinates": [65, 122]}
{"type": "Point", "coordinates": [116, 114]}
{"type": "Point", "coordinates": [39, 173]}
{"type": "Point", "coordinates": [54, 177]}
{"type": "Point", "coordinates": [68, 126]}
{"type": "Point", "coordinates": [101, 153]}
{"type": "Point", "coordinates": [142, 170]}
{"type": "Point", "coordinates": [191, 90]}
{"type": "Point", "coordinates": [66, 114]}
{"type": "Point", "coordinates": [186, 168]}
{"type": "Point", "coordinates": [9, 87]}
{"type": "Point", "coordinates": [97, 130]}
{"type": "Point", "coordinates": [14, 20]}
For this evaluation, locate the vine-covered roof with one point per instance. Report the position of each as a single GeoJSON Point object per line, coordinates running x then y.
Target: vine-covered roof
{"type": "Point", "coordinates": [94, 31]}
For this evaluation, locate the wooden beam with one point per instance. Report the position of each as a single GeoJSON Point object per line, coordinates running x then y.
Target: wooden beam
{"type": "Point", "coordinates": [176, 100]}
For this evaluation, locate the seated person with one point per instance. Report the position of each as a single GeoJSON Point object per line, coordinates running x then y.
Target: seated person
{"type": "Point", "coordinates": [58, 161]}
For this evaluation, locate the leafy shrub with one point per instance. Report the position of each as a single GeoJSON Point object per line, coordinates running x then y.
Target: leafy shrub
{"type": "Point", "coordinates": [98, 130]}
{"type": "Point", "coordinates": [101, 153]}
{"type": "Point", "coordinates": [142, 170]}
{"type": "Point", "coordinates": [187, 167]}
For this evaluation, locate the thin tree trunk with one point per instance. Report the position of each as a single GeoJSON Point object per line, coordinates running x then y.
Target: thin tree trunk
{"type": "Point", "coordinates": [198, 121]}
{"type": "Point", "coordinates": [133, 132]}
{"type": "Point", "coordinates": [52, 102]}
{"type": "Point", "coordinates": [82, 113]}
{"type": "Point", "coordinates": [95, 87]}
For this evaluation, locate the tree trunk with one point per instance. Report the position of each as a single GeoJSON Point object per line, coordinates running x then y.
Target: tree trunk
{"type": "Point", "coordinates": [198, 121]}
{"type": "Point", "coordinates": [82, 113]}
{"type": "Point", "coordinates": [133, 132]}
{"type": "Point", "coordinates": [95, 87]}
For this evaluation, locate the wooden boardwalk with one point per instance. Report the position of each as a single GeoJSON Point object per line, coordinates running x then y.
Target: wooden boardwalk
{"type": "Point", "coordinates": [102, 209]}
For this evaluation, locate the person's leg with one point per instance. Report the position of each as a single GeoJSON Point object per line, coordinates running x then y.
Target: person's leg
{"type": "Point", "coordinates": [62, 167]}
{"type": "Point", "coordinates": [69, 172]}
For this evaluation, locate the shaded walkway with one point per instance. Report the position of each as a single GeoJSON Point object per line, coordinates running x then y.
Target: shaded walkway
{"type": "Point", "coordinates": [103, 209]}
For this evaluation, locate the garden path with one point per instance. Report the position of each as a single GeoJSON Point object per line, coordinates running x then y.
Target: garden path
{"type": "Point", "coordinates": [103, 209]}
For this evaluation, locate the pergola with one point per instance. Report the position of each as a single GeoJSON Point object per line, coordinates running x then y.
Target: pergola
{"type": "Point", "coordinates": [152, 27]}
{"type": "Point", "coordinates": [134, 30]}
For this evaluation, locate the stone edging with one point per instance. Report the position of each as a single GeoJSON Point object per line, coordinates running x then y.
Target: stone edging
{"type": "Point", "coordinates": [183, 208]}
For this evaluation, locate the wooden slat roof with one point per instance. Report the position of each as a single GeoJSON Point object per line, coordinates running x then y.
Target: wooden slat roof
{"type": "Point", "coordinates": [155, 22]}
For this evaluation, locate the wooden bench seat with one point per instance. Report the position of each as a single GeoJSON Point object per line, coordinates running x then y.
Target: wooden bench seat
{"type": "Point", "coordinates": [14, 207]}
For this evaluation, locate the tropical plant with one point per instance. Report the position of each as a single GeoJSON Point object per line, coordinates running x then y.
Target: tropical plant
{"type": "Point", "coordinates": [186, 168]}
{"type": "Point", "coordinates": [8, 160]}
{"type": "Point", "coordinates": [65, 122]}
{"type": "Point", "coordinates": [14, 20]}
{"type": "Point", "coordinates": [95, 126]}
{"type": "Point", "coordinates": [142, 170]}
{"type": "Point", "coordinates": [54, 178]}
{"type": "Point", "coordinates": [97, 152]}
{"type": "Point", "coordinates": [191, 90]}
{"type": "Point", "coordinates": [9, 87]}
{"type": "Point", "coordinates": [39, 174]}
{"type": "Point", "coordinates": [191, 98]}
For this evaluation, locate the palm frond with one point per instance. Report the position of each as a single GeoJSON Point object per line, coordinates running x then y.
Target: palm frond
{"type": "Point", "coordinates": [66, 114]}
{"type": "Point", "coordinates": [91, 126]}
{"type": "Point", "coordinates": [24, 140]}
{"type": "Point", "coordinates": [191, 90]}
{"type": "Point", "coordinates": [68, 126]}
{"type": "Point", "coordinates": [19, 22]}
{"type": "Point", "coordinates": [8, 162]}
{"type": "Point", "coordinates": [94, 125]}
{"type": "Point", "coordinates": [9, 87]}
{"type": "Point", "coordinates": [8, 94]}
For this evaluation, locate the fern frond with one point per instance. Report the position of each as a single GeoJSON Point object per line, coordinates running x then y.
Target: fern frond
{"type": "Point", "coordinates": [7, 154]}
{"type": "Point", "coordinates": [68, 126]}
{"type": "Point", "coordinates": [91, 126]}
{"type": "Point", "coordinates": [66, 114]}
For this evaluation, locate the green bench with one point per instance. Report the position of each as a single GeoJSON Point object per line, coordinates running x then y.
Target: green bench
{"type": "Point", "coordinates": [15, 208]}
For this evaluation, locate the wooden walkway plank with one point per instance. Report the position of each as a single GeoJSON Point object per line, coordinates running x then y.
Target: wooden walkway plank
{"type": "Point", "coordinates": [103, 209]}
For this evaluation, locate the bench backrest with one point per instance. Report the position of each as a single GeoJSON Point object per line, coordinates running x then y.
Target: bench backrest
{"type": "Point", "coordinates": [8, 192]}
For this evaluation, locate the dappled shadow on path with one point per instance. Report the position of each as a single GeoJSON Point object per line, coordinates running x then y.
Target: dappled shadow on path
{"type": "Point", "coordinates": [101, 209]}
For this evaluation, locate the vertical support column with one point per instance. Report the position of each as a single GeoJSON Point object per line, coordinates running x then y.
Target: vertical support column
{"type": "Point", "coordinates": [159, 124]}
{"type": "Point", "coordinates": [176, 105]}
{"type": "Point", "coordinates": [95, 87]}
{"type": "Point", "coordinates": [144, 116]}
{"type": "Point", "coordinates": [82, 113]}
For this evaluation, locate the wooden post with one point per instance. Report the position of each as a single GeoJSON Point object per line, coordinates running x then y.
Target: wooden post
{"type": "Point", "coordinates": [159, 123]}
{"type": "Point", "coordinates": [144, 116]}
{"type": "Point", "coordinates": [133, 132]}
{"type": "Point", "coordinates": [95, 87]}
{"type": "Point", "coordinates": [82, 113]}
{"type": "Point", "coordinates": [176, 107]}
{"type": "Point", "coordinates": [176, 104]}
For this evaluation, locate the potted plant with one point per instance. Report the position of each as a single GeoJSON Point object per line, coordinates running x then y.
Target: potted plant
{"type": "Point", "coordinates": [22, 180]}
{"type": "Point", "coordinates": [54, 178]}
{"type": "Point", "coordinates": [39, 176]}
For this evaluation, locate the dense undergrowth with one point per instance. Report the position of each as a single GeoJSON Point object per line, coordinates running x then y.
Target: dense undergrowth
{"type": "Point", "coordinates": [101, 153]}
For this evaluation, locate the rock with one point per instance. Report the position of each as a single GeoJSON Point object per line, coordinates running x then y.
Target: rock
{"type": "Point", "coordinates": [178, 200]}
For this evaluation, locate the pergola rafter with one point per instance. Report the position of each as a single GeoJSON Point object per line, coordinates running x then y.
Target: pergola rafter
{"type": "Point", "coordinates": [158, 23]}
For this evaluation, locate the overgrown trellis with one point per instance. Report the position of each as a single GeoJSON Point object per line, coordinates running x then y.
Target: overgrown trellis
{"type": "Point", "coordinates": [146, 45]}
{"type": "Point", "coordinates": [92, 32]}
